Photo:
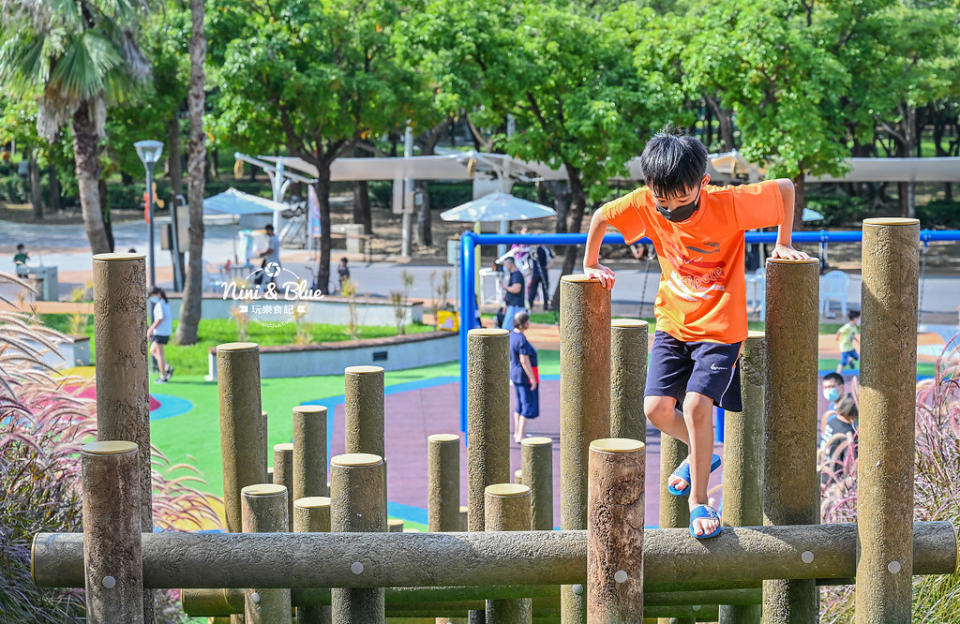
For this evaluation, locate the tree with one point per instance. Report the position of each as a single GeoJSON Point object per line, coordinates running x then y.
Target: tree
{"type": "Point", "coordinates": [566, 77]}
{"type": "Point", "coordinates": [190, 311]}
{"type": "Point", "coordinates": [74, 58]}
{"type": "Point", "coordinates": [768, 63]}
{"type": "Point", "coordinates": [313, 77]}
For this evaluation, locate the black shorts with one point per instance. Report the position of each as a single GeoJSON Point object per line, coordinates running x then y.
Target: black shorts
{"type": "Point", "coordinates": [160, 339]}
{"type": "Point", "coordinates": [709, 368]}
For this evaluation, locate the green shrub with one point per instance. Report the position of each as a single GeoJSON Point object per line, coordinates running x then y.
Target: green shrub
{"type": "Point", "coordinates": [838, 209]}
{"type": "Point", "coordinates": [939, 213]}
{"type": "Point", "coordinates": [13, 188]}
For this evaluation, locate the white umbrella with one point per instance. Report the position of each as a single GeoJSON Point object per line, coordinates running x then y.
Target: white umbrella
{"type": "Point", "coordinates": [498, 207]}
{"type": "Point", "coordinates": [811, 215]}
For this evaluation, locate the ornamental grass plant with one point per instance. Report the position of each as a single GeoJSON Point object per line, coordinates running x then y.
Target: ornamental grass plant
{"type": "Point", "coordinates": [43, 424]}
{"type": "Point", "coordinates": [936, 599]}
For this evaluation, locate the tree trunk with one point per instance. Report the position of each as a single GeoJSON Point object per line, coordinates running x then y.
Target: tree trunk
{"type": "Point", "coordinates": [36, 197]}
{"type": "Point", "coordinates": [54, 189]}
{"type": "Point", "coordinates": [799, 199]}
{"type": "Point", "coordinates": [173, 157]}
{"type": "Point", "coordinates": [361, 201]}
{"type": "Point", "coordinates": [190, 311]}
{"type": "Point", "coordinates": [910, 147]}
{"type": "Point", "coordinates": [105, 212]}
{"type": "Point", "coordinates": [323, 195]}
{"type": "Point", "coordinates": [574, 220]}
{"type": "Point", "coordinates": [424, 230]}
{"type": "Point", "coordinates": [86, 151]}
{"type": "Point", "coordinates": [725, 117]}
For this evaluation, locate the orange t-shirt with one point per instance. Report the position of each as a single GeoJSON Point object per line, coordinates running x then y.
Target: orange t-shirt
{"type": "Point", "coordinates": [702, 294]}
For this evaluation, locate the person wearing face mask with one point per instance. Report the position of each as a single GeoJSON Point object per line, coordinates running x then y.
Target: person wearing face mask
{"type": "Point", "coordinates": [159, 331]}
{"type": "Point", "coordinates": [701, 307]}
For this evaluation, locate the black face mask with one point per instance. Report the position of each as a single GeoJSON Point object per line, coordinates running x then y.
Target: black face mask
{"type": "Point", "coordinates": [680, 213]}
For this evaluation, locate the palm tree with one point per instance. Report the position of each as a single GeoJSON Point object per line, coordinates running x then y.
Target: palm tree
{"type": "Point", "coordinates": [74, 57]}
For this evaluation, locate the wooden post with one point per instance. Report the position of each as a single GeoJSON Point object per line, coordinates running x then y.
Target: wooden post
{"type": "Point", "coordinates": [312, 515]}
{"type": "Point", "coordinates": [615, 530]}
{"type": "Point", "coordinates": [283, 474]}
{"type": "Point", "coordinates": [120, 330]}
{"type": "Point", "coordinates": [363, 409]}
{"type": "Point", "coordinates": [112, 561]}
{"type": "Point", "coordinates": [887, 420]}
{"type": "Point", "coordinates": [584, 406]}
{"type": "Point", "coordinates": [243, 441]}
{"type": "Point", "coordinates": [628, 376]}
{"type": "Point", "coordinates": [264, 510]}
{"type": "Point", "coordinates": [536, 456]}
{"type": "Point", "coordinates": [791, 484]}
{"type": "Point", "coordinates": [508, 507]}
{"type": "Point", "coordinates": [443, 482]}
{"type": "Point", "coordinates": [310, 451]}
{"type": "Point", "coordinates": [358, 503]}
{"type": "Point", "coordinates": [742, 459]}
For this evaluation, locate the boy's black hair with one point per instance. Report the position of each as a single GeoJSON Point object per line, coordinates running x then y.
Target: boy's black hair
{"type": "Point", "coordinates": [268, 226]}
{"type": "Point", "coordinates": [672, 165]}
{"type": "Point", "coordinates": [837, 377]}
{"type": "Point", "coordinates": [853, 314]}
{"type": "Point", "coordinates": [19, 246]}
{"type": "Point", "coordinates": [344, 260]}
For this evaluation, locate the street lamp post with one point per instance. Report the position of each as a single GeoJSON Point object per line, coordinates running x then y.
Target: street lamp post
{"type": "Point", "coordinates": [149, 153]}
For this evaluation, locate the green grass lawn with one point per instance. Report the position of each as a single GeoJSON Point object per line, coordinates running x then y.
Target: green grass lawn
{"type": "Point", "coordinates": [192, 360]}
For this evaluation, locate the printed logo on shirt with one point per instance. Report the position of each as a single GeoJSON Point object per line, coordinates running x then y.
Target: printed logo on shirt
{"type": "Point", "coordinates": [714, 367]}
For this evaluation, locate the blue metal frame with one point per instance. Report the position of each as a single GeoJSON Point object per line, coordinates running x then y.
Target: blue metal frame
{"type": "Point", "coordinates": [470, 240]}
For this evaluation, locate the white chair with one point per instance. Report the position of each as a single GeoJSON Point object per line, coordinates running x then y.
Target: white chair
{"type": "Point", "coordinates": [212, 279]}
{"type": "Point", "coordinates": [487, 276]}
{"type": "Point", "coordinates": [757, 291]}
{"type": "Point", "coordinates": [834, 286]}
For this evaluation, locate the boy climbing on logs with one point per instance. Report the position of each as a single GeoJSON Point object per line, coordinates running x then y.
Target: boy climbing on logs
{"type": "Point", "coordinates": [701, 309]}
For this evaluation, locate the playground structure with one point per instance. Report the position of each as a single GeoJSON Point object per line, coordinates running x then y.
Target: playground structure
{"type": "Point", "coordinates": [602, 566]}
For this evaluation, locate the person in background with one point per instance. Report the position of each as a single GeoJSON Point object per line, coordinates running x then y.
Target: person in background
{"type": "Point", "coordinates": [271, 255]}
{"type": "Point", "coordinates": [343, 272]}
{"type": "Point", "coordinates": [847, 340]}
{"type": "Point", "coordinates": [524, 374]}
{"type": "Point", "coordinates": [160, 330]}
{"type": "Point", "coordinates": [540, 277]}
{"type": "Point", "coordinates": [21, 257]}
{"type": "Point", "coordinates": [513, 292]}
{"type": "Point", "coordinates": [839, 439]}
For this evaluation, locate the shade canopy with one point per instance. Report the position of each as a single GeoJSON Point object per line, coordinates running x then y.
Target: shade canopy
{"type": "Point", "coordinates": [497, 207]}
{"type": "Point", "coordinates": [235, 202]}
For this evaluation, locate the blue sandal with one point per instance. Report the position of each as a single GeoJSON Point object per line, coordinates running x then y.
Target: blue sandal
{"type": "Point", "coordinates": [704, 511]}
{"type": "Point", "coordinates": [683, 471]}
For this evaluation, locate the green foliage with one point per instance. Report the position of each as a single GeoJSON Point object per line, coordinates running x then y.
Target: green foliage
{"type": "Point", "coordinates": [839, 209]}
{"type": "Point", "coordinates": [939, 214]}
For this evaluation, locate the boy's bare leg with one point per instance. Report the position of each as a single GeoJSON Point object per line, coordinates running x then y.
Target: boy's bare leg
{"type": "Point", "coordinates": [521, 421]}
{"type": "Point", "coordinates": [663, 413]}
{"type": "Point", "coordinates": [516, 426]}
{"type": "Point", "coordinates": [698, 415]}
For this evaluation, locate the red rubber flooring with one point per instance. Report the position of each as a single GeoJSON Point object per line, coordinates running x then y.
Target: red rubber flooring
{"type": "Point", "coordinates": [413, 415]}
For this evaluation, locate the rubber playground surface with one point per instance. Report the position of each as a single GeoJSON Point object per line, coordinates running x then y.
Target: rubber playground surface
{"type": "Point", "coordinates": [419, 402]}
